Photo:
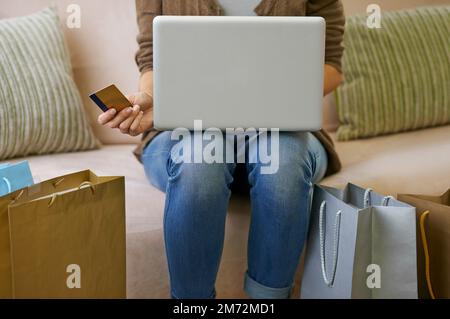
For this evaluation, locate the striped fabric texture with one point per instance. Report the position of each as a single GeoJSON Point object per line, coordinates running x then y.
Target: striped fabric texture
{"type": "Point", "coordinates": [40, 106]}
{"type": "Point", "coordinates": [397, 78]}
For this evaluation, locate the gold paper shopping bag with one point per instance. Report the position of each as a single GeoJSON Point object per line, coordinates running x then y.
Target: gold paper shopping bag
{"type": "Point", "coordinates": [31, 192]}
{"type": "Point", "coordinates": [433, 243]}
{"type": "Point", "coordinates": [67, 239]}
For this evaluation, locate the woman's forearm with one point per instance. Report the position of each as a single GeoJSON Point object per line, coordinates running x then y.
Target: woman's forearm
{"type": "Point", "coordinates": [332, 79]}
{"type": "Point", "coordinates": [146, 83]}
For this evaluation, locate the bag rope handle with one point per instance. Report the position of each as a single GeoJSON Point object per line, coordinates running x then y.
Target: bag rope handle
{"type": "Point", "coordinates": [426, 252]}
{"type": "Point", "coordinates": [386, 200]}
{"type": "Point", "coordinates": [82, 185]}
{"type": "Point", "coordinates": [367, 200]}
{"type": "Point", "coordinates": [59, 181]}
{"type": "Point", "coordinates": [8, 184]}
{"type": "Point", "coordinates": [15, 199]}
{"type": "Point", "coordinates": [329, 281]}
{"type": "Point", "coordinates": [88, 184]}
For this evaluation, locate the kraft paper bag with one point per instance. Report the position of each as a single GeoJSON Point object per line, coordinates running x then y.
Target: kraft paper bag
{"type": "Point", "coordinates": [360, 245]}
{"type": "Point", "coordinates": [14, 177]}
{"type": "Point", "coordinates": [433, 243]}
{"type": "Point", "coordinates": [64, 238]}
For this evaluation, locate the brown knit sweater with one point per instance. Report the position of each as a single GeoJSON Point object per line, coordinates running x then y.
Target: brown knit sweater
{"type": "Point", "coordinates": [331, 10]}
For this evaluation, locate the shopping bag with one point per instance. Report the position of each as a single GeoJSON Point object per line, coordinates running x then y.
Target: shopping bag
{"type": "Point", "coordinates": [14, 177]}
{"type": "Point", "coordinates": [65, 239]}
{"type": "Point", "coordinates": [433, 243]}
{"type": "Point", "coordinates": [360, 245]}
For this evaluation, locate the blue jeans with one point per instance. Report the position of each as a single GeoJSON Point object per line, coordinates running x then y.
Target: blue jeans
{"type": "Point", "coordinates": [197, 197]}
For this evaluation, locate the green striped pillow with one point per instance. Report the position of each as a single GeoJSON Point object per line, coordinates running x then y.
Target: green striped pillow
{"type": "Point", "coordinates": [397, 78]}
{"type": "Point", "coordinates": [40, 107]}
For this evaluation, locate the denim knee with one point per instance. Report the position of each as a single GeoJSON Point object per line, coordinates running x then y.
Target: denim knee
{"type": "Point", "coordinates": [204, 180]}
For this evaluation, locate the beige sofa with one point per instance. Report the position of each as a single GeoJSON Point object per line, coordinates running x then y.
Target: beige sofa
{"type": "Point", "coordinates": [102, 52]}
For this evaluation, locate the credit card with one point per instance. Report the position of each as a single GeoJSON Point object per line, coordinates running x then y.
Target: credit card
{"type": "Point", "coordinates": [110, 97]}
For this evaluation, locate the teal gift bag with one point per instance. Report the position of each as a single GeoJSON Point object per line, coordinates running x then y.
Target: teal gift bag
{"type": "Point", "coordinates": [14, 177]}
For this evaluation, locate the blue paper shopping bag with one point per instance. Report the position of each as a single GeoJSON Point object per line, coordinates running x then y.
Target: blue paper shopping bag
{"type": "Point", "coordinates": [14, 177]}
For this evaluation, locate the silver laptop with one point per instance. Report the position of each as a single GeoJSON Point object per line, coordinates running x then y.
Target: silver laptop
{"type": "Point", "coordinates": [238, 72]}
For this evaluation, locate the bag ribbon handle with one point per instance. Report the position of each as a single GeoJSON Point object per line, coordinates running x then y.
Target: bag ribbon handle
{"type": "Point", "coordinates": [8, 184]}
{"type": "Point", "coordinates": [426, 252]}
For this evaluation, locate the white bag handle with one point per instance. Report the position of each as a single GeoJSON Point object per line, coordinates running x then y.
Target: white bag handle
{"type": "Point", "coordinates": [329, 280]}
{"type": "Point", "coordinates": [386, 200]}
{"type": "Point", "coordinates": [367, 201]}
{"type": "Point", "coordinates": [8, 184]}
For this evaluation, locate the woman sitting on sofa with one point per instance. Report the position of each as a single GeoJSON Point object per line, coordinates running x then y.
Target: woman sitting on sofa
{"type": "Point", "coordinates": [198, 194]}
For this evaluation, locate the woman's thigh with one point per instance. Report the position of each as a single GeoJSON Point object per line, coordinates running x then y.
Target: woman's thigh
{"type": "Point", "coordinates": [293, 146]}
{"type": "Point", "coordinates": [162, 163]}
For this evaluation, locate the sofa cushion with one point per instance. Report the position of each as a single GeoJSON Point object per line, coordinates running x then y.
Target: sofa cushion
{"type": "Point", "coordinates": [396, 77]}
{"type": "Point", "coordinates": [410, 163]}
{"type": "Point", "coordinates": [40, 106]}
{"type": "Point", "coordinates": [102, 49]}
